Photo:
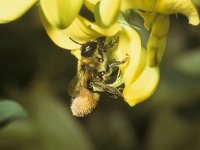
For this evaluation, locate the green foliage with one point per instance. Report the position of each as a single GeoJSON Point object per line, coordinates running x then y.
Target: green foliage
{"type": "Point", "coordinates": [196, 2]}
{"type": "Point", "coordinates": [10, 110]}
{"type": "Point", "coordinates": [189, 63]}
{"type": "Point", "coordinates": [168, 121]}
{"type": "Point", "coordinates": [50, 126]}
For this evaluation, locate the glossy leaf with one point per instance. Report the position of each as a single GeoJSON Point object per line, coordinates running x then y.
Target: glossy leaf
{"type": "Point", "coordinates": [11, 110]}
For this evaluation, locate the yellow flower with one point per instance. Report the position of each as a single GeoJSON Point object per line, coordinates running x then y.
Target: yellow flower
{"type": "Point", "coordinates": [60, 13]}
{"type": "Point", "coordinates": [139, 79]}
{"type": "Point", "coordinates": [106, 12]}
{"type": "Point", "coordinates": [165, 7]}
{"type": "Point", "coordinates": [156, 17]}
{"type": "Point", "coordinates": [62, 22]}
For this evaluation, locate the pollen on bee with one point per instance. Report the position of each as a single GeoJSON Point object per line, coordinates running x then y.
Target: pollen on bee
{"type": "Point", "coordinates": [84, 103]}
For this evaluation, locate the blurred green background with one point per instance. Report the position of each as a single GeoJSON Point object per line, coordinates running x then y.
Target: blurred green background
{"type": "Point", "coordinates": [35, 73]}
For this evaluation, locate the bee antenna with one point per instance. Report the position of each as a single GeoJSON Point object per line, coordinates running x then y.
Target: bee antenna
{"type": "Point", "coordinates": [75, 41]}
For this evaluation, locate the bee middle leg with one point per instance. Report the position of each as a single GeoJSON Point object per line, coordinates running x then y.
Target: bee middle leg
{"type": "Point", "coordinates": [101, 53]}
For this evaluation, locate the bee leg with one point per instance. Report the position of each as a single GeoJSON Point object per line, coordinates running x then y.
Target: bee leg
{"type": "Point", "coordinates": [114, 64]}
{"type": "Point", "coordinates": [110, 44]}
{"type": "Point", "coordinates": [101, 53]}
{"type": "Point", "coordinates": [110, 68]}
{"type": "Point", "coordinates": [100, 40]}
{"type": "Point", "coordinates": [113, 91]}
{"type": "Point", "coordinates": [96, 86]}
{"type": "Point", "coordinates": [102, 87]}
{"type": "Point", "coordinates": [114, 96]}
{"type": "Point", "coordinates": [99, 59]}
{"type": "Point", "coordinates": [102, 48]}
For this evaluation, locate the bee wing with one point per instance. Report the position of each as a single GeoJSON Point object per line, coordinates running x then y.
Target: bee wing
{"type": "Point", "coordinates": [75, 84]}
{"type": "Point", "coordinates": [72, 86]}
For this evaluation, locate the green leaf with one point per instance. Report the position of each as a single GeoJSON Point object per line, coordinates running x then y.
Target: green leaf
{"type": "Point", "coordinates": [10, 110]}
{"type": "Point", "coordinates": [54, 126]}
{"type": "Point", "coordinates": [196, 2]}
{"type": "Point", "coordinates": [16, 136]}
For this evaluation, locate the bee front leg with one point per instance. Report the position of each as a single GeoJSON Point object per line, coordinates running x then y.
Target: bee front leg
{"type": "Point", "coordinates": [110, 44]}
{"type": "Point", "coordinates": [116, 63]}
{"type": "Point", "coordinates": [111, 66]}
{"type": "Point", "coordinates": [102, 48]}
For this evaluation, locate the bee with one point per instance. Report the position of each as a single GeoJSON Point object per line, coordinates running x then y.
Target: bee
{"type": "Point", "coordinates": [93, 72]}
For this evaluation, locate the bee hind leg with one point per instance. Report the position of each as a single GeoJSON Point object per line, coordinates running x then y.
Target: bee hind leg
{"type": "Point", "coordinates": [114, 92]}
{"type": "Point", "coordinates": [102, 87]}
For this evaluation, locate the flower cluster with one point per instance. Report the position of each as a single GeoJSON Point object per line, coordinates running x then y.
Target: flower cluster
{"type": "Point", "coordinates": [62, 21]}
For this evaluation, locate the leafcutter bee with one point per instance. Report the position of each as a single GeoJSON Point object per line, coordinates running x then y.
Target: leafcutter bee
{"type": "Point", "coordinates": [93, 72]}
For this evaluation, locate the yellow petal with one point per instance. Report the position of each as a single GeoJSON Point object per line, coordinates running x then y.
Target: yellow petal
{"type": "Point", "coordinates": [160, 26]}
{"type": "Point", "coordinates": [155, 50]}
{"type": "Point", "coordinates": [111, 31]}
{"type": "Point", "coordinates": [130, 46]}
{"type": "Point", "coordinates": [148, 18]}
{"type": "Point", "coordinates": [185, 7]}
{"type": "Point", "coordinates": [146, 5]}
{"type": "Point", "coordinates": [167, 7]}
{"type": "Point", "coordinates": [90, 4]}
{"type": "Point", "coordinates": [61, 13]}
{"type": "Point", "coordinates": [62, 37]}
{"type": "Point", "coordinates": [76, 53]}
{"type": "Point", "coordinates": [107, 12]}
{"type": "Point", "coordinates": [13, 9]}
{"type": "Point", "coordinates": [157, 41]}
{"type": "Point", "coordinates": [143, 87]}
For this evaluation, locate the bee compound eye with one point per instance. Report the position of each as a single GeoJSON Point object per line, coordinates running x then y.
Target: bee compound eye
{"type": "Point", "coordinates": [88, 49]}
